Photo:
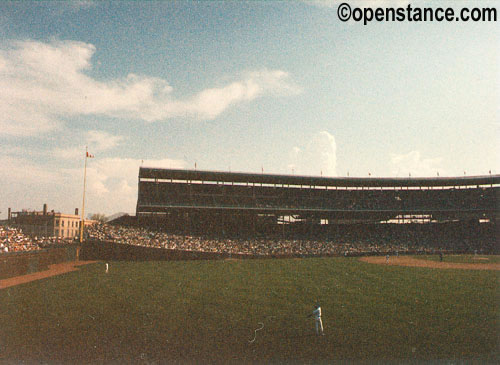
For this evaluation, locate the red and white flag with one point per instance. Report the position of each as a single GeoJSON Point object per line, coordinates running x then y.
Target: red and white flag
{"type": "Point", "coordinates": [90, 155]}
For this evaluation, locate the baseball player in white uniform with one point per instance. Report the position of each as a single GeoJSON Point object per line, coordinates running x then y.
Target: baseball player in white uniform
{"type": "Point", "coordinates": [317, 319]}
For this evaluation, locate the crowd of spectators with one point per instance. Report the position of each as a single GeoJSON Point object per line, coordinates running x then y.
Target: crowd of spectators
{"type": "Point", "coordinates": [14, 240]}
{"type": "Point", "coordinates": [344, 245]}
{"type": "Point", "coordinates": [364, 240]}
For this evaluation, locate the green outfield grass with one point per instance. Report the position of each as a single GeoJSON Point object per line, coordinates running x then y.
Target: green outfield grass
{"type": "Point", "coordinates": [199, 311]}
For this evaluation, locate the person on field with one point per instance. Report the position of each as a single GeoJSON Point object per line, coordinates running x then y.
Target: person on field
{"type": "Point", "coordinates": [317, 319]}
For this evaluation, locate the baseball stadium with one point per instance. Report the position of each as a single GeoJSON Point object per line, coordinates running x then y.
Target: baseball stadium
{"type": "Point", "coordinates": [227, 267]}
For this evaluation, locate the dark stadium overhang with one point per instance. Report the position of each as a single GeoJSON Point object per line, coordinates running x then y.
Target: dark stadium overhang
{"type": "Point", "coordinates": [355, 182]}
{"type": "Point", "coordinates": [311, 212]}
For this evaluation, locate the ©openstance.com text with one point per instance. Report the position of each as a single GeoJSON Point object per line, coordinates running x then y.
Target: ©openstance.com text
{"type": "Point", "coordinates": [411, 13]}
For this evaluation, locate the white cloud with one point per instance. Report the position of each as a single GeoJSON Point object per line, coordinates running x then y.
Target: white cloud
{"type": "Point", "coordinates": [27, 185]}
{"type": "Point", "coordinates": [97, 141]}
{"type": "Point", "coordinates": [412, 163]}
{"type": "Point", "coordinates": [102, 141]}
{"type": "Point", "coordinates": [62, 8]}
{"type": "Point", "coordinates": [18, 169]}
{"type": "Point", "coordinates": [111, 184]}
{"type": "Point", "coordinates": [211, 102]}
{"type": "Point", "coordinates": [41, 83]}
{"type": "Point", "coordinates": [82, 4]}
{"type": "Point", "coordinates": [68, 153]}
{"type": "Point", "coordinates": [19, 119]}
{"type": "Point", "coordinates": [317, 156]}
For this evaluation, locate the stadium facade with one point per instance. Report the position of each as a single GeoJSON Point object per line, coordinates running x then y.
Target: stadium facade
{"type": "Point", "coordinates": [193, 201]}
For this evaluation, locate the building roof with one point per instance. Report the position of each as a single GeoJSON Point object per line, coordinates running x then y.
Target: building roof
{"type": "Point", "coordinates": [27, 213]}
{"type": "Point", "coordinates": [241, 177]}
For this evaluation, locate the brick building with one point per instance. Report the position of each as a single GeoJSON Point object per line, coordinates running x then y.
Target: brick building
{"type": "Point", "coordinates": [47, 224]}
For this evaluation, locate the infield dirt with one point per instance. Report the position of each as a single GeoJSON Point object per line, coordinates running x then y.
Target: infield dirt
{"type": "Point", "coordinates": [411, 261]}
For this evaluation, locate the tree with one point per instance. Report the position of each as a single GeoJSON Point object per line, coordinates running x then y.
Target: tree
{"type": "Point", "coordinates": [99, 217]}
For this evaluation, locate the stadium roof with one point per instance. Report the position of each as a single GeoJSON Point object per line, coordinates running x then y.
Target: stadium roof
{"type": "Point", "coordinates": [241, 177]}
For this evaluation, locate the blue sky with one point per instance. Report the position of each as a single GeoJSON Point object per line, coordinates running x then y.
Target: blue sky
{"type": "Point", "coordinates": [241, 86]}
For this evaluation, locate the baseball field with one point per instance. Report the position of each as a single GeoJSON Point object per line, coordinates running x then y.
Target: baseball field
{"type": "Point", "coordinates": [237, 311]}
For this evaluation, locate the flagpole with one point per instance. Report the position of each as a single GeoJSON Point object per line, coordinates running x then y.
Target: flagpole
{"type": "Point", "coordinates": [82, 222]}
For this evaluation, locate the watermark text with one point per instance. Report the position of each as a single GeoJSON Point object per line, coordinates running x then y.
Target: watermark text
{"type": "Point", "coordinates": [415, 14]}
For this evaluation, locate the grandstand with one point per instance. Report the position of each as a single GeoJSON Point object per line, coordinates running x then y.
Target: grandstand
{"type": "Point", "coordinates": [192, 201]}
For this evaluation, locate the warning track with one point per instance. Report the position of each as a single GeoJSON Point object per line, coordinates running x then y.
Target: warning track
{"type": "Point", "coordinates": [53, 270]}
